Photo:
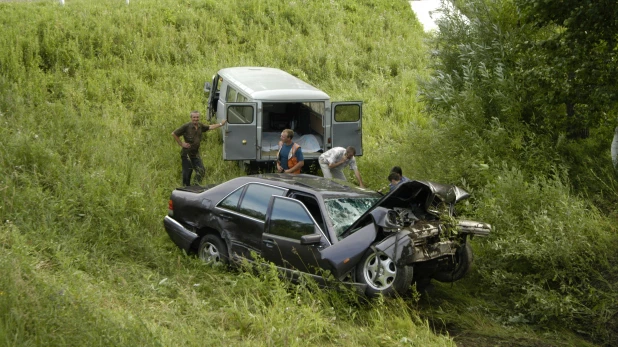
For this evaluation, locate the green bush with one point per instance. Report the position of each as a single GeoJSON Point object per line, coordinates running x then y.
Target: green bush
{"type": "Point", "coordinates": [551, 257]}
{"type": "Point", "coordinates": [551, 253]}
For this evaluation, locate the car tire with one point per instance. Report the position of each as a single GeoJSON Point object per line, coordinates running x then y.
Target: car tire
{"type": "Point", "coordinates": [382, 275]}
{"type": "Point", "coordinates": [212, 250]}
{"type": "Point", "coordinates": [463, 262]}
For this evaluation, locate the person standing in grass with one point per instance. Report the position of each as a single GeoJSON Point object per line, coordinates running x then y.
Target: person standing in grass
{"type": "Point", "coordinates": [190, 153]}
{"type": "Point", "coordinates": [290, 156]}
{"type": "Point", "coordinates": [333, 161]}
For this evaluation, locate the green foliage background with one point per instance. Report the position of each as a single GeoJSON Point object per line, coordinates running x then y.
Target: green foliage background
{"type": "Point", "coordinates": [551, 196]}
{"type": "Point", "coordinates": [91, 91]}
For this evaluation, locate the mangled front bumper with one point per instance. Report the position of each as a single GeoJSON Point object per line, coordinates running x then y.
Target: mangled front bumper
{"type": "Point", "coordinates": [428, 241]}
{"type": "Point", "coordinates": [407, 251]}
{"type": "Point", "coordinates": [473, 228]}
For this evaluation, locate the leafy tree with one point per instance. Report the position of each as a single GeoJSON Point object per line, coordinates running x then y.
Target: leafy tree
{"type": "Point", "coordinates": [560, 54]}
{"type": "Point", "coordinates": [487, 90]}
{"type": "Point", "coordinates": [506, 88]}
{"type": "Point", "coordinates": [578, 45]}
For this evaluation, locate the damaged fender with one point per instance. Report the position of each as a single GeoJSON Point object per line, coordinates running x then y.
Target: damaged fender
{"type": "Point", "coordinates": [345, 254]}
{"type": "Point", "coordinates": [398, 246]}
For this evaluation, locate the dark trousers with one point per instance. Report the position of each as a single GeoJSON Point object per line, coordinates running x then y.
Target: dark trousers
{"type": "Point", "coordinates": [190, 164]}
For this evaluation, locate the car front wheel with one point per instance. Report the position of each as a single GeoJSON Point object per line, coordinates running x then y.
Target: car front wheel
{"type": "Point", "coordinates": [462, 261]}
{"type": "Point", "coordinates": [213, 251]}
{"type": "Point", "coordinates": [382, 275]}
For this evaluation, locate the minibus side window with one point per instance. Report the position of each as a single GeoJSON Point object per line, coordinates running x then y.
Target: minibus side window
{"type": "Point", "coordinates": [231, 94]}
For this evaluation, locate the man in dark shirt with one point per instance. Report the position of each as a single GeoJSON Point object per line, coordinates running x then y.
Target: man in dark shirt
{"type": "Point", "coordinates": [190, 154]}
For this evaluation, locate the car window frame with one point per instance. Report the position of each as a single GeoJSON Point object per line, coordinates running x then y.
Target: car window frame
{"type": "Point", "coordinates": [324, 226]}
{"type": "Point", "coordinates": [269, 215]}
{"type": "Point", "coordinates": [244, 187]}
{"type": "Point", "coordinates": [242, 193]}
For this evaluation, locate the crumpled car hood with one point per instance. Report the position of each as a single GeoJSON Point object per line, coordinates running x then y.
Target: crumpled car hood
{"type": "Point", "coordinates": [424, 192]}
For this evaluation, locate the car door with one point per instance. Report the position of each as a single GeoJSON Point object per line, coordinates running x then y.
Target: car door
{"type": "Point", "coordinates": [243, 213]}
{"type": "Point", "coordinates": [346, 120]}
{"type": "Point", "coordinates": [240, 138]}
{"type": "Point", "coordinates": [292, 239]}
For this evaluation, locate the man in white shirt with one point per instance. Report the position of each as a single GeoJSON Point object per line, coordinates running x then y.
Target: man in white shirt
{"type": "Point", "coordinates": [336, 159]}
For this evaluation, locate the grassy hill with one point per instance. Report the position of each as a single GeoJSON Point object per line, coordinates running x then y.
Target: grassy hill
{"type": "Point", "coordinates": [90, 93]}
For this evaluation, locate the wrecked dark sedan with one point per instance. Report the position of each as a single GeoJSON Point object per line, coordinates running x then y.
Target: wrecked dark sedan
{"type": "Point", "coordinates": [309, 224]}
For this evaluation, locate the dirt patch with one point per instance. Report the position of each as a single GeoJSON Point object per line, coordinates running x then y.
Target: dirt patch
{"type": "Point", "coordinates": [471, 340]}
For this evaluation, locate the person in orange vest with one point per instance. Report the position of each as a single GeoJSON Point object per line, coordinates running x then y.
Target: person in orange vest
{"type": "Point", "coordinates": [290, 156]}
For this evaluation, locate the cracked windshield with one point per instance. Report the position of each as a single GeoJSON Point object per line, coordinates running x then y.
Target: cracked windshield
{"type": "Point", "coordinates": [344, 211]}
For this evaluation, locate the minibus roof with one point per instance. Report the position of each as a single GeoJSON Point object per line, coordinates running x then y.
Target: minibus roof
{"type": "Point", "coordinates": [270, 84]}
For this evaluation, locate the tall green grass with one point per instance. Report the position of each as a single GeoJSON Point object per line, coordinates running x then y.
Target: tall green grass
{"type": "Point", "coordinates": [90, 94]}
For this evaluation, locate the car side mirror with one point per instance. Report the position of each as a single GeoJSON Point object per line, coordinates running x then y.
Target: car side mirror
{"type": "Point", "coordinates": [207, 87]}
{"type": "Point", "coordinates": [310, 239]}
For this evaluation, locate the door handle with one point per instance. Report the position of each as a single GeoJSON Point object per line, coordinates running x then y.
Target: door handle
{"type": "Point", "coordinates": [269, 243]}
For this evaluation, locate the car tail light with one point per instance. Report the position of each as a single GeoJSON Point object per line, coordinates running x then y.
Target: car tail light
{"type": "Point", "coordinates": [170, 208]}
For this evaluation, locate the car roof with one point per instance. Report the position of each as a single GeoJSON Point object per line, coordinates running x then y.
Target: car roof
{"type": "Point", "coordinates": [265, 83]}
{"type": "Point", "coordinates": [310, 183]}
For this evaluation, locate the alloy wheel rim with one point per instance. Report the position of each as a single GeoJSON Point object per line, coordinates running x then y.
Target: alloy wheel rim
{"type": "Point", "coordinates": [210, 254]}
{"type": "Point", "coordinates": [379, 271]}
